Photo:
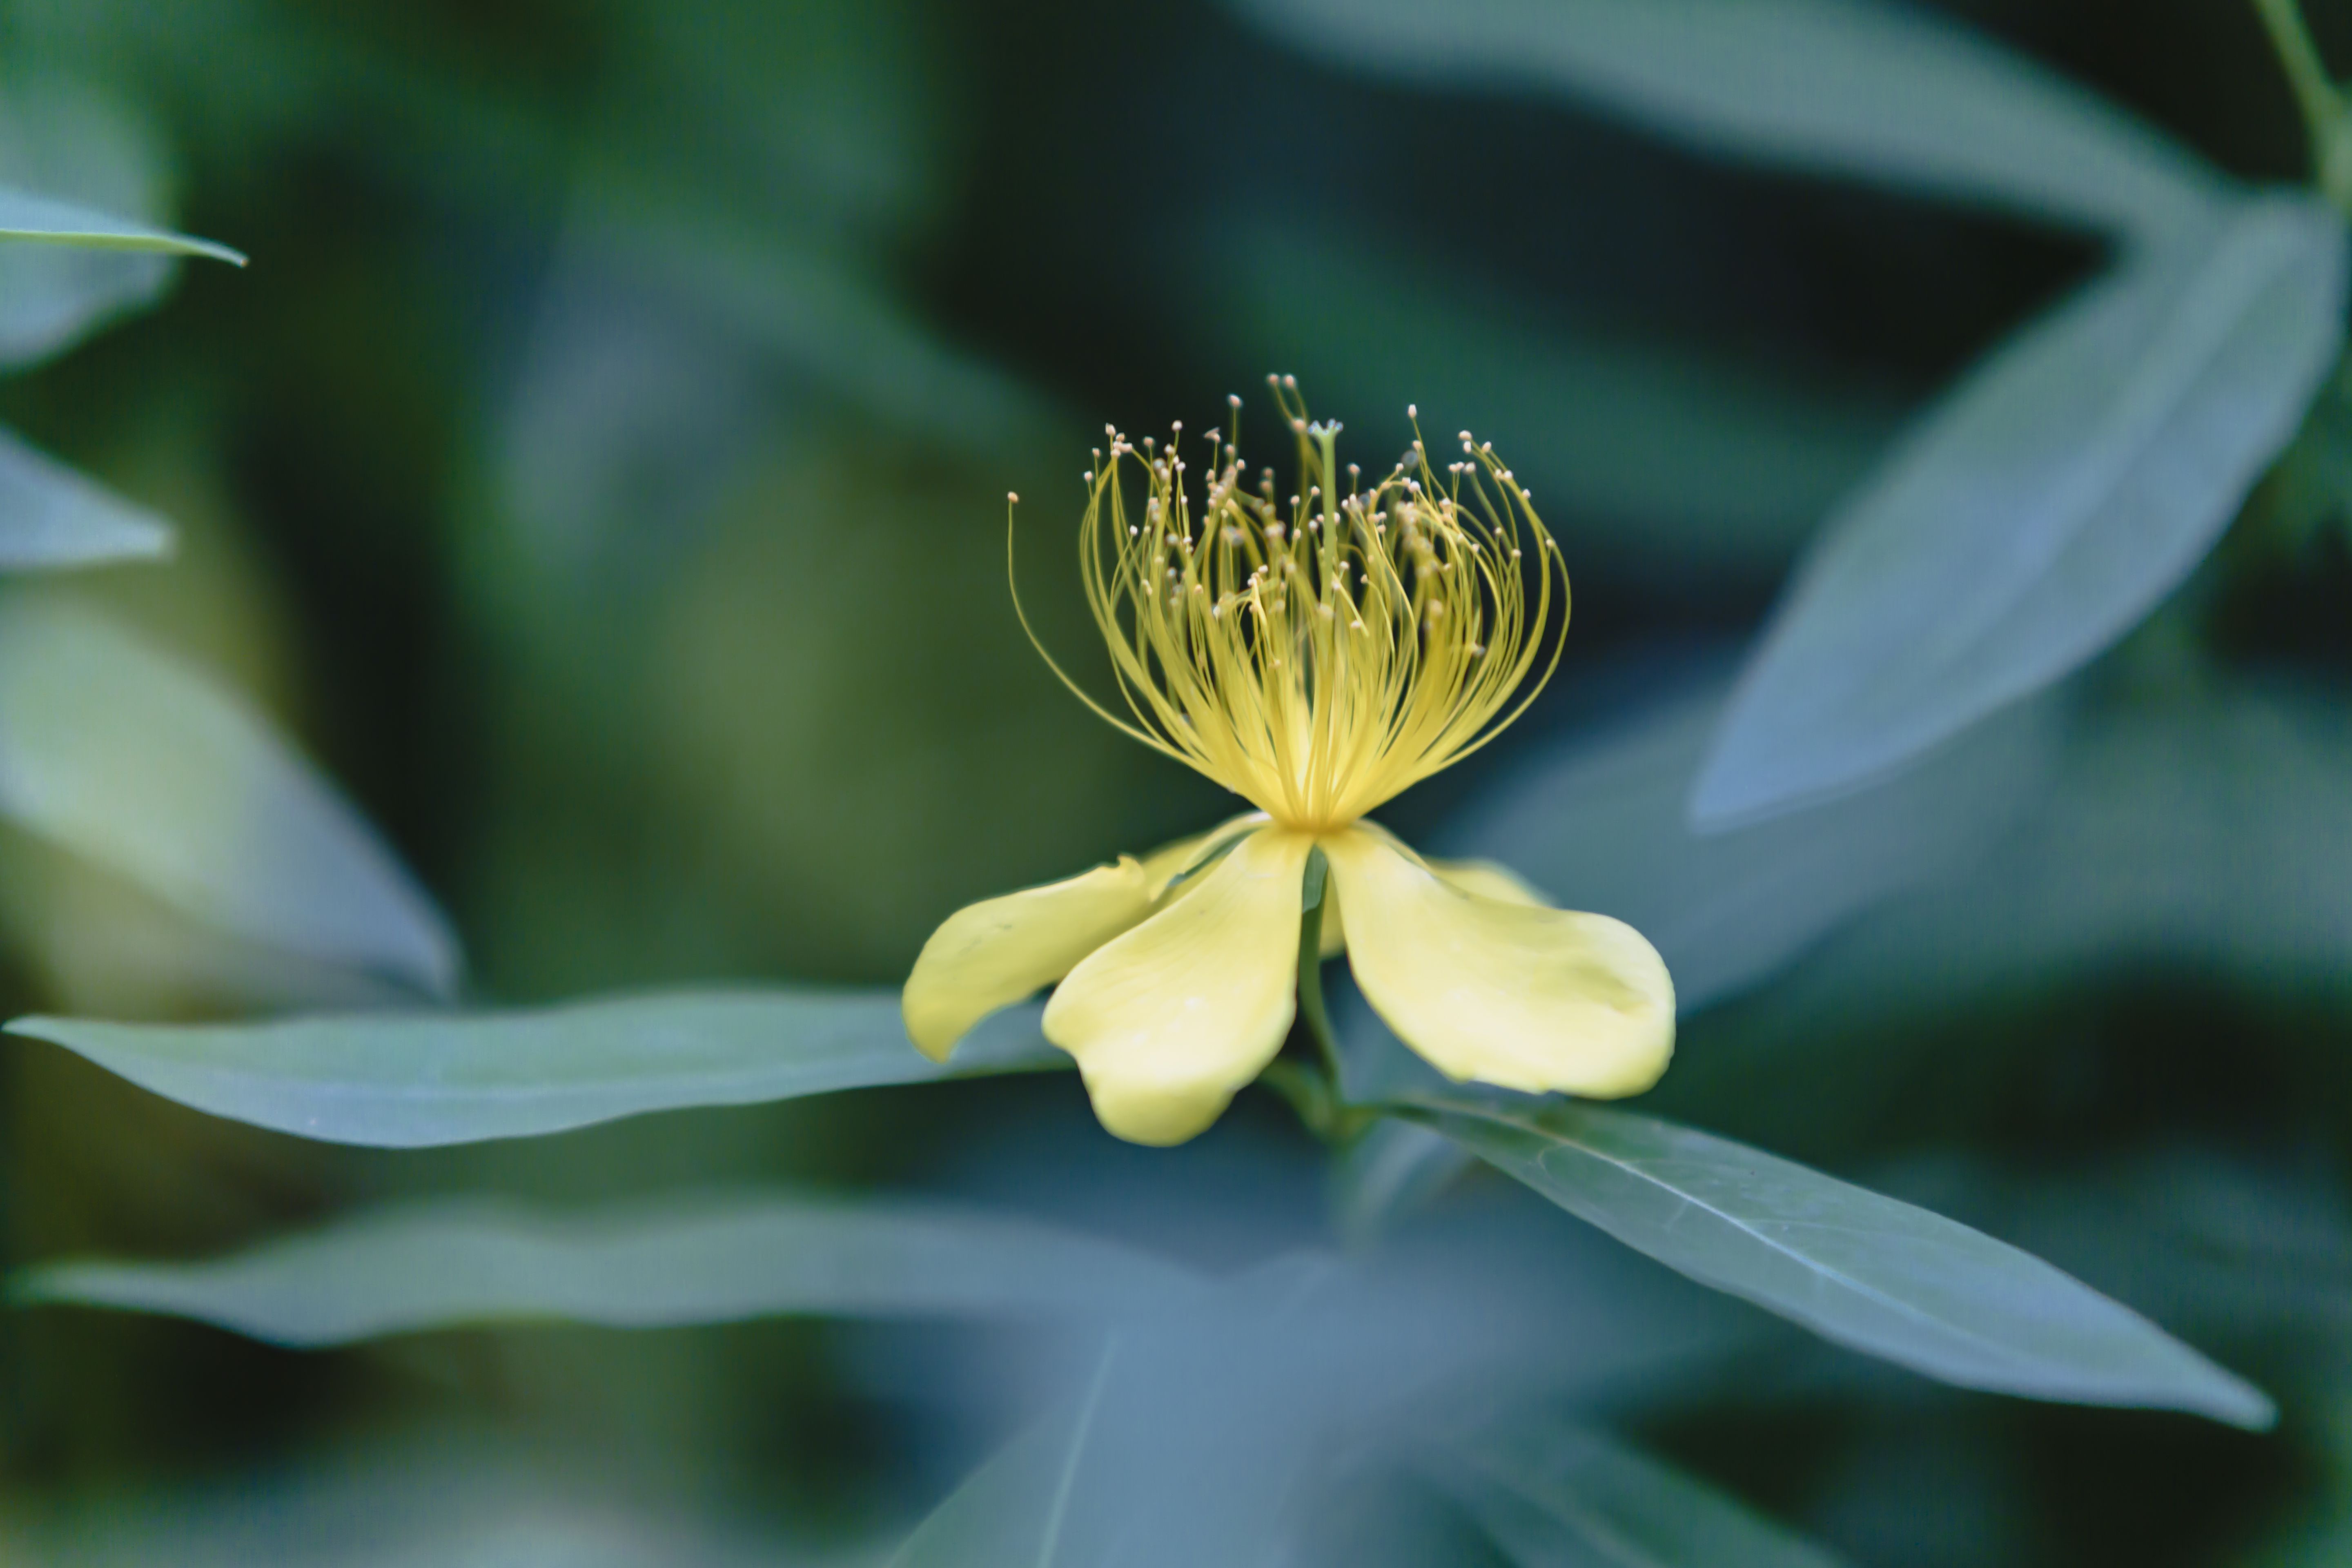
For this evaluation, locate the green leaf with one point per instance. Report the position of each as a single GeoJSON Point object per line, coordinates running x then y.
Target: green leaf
{"type": "Point", "coordinates": [1870, 1273]}
{"type": "Point", "coordinates": [1554, 1495]}
{"type": "Point", "coordinates": [818, 312]}
{"type": "Point", "coordinates": [119, 753]}
{"type": "Point", "coordinates": [408, 1080]}
{"type": "Point", "coordinates": [94, 157]}
{"type": "Point", "coordinates": [1878, 92]}
{"type": "Point", "coordinates": [2200, 830]}
{"type": "Point", "coordinates": [2058, 494]}
{"type": "Point", "coordinates": [51, 516]}
{"type": "Point", "coordinates": [706, 1259]}
{"type": "Point", "coordinates": [25, 216]}
{"type": "Point", "coordinates": [1013, 1509]}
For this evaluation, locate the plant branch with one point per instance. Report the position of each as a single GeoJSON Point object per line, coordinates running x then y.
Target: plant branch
{"type": "Point", "coordinates": [2314, 91]}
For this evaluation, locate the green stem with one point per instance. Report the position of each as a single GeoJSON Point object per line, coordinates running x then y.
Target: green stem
{"type": "Point", "coordinates": [1313, 1087]}
{"type": "Point", "coordinates": [2316, 92]}
{"type": "Point", "coordinates": [2321, 103]}
{"type": "Point", "coordinates": [1310, 964]}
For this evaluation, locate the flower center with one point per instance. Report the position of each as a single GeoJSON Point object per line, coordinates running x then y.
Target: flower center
{"type": "Point", "coordinates": [1315, 656]}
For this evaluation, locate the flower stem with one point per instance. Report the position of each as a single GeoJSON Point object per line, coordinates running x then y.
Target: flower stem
{"type": "Point", "coordinates": [2314, 91]}
{"type": "Point", "coordinates": [2317, 94]}
{"type": "Point", "coordinates": [1314, 1088]}
{"type": "Point", "coordinates": [1310, 964]}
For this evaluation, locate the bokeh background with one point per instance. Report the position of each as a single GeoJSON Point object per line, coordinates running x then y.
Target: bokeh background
{"type": "Point", "coordinates": [599, 470]}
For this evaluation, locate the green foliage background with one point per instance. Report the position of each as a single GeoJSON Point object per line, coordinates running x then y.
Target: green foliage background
{"type": "Point", "coordinates": [598, 471]}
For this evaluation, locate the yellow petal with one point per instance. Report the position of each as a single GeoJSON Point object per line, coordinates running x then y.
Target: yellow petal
{"type": "Point", "coordinates": [1518, 995]}
{"type": "Point", "coordinates": [1163, 865]}
{"type": "Point", "coordinates": [992, 954]}
{"type": "Point", "coordinates": [1490, 879]}
{"type": "Point", "coordinates": [1487, 878]}
{"type": "Point", "coordinates": [1171, 1019]}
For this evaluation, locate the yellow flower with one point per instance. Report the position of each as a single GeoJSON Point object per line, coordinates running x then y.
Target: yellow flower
{"type": "Point", "coordinates": [1316, 659]}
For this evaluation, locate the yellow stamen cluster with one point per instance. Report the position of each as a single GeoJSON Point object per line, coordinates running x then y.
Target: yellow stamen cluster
{"type": "Point", "coordinates": [1316, 658]}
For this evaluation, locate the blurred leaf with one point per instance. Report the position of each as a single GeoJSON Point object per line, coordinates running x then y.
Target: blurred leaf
{"type": "Point", "coordinates": [25, 216]}
{"type": "Point", "coordinates": [1391, 1171]}
{"type": "Point", "coordinates": [1687, 453]}
{"type": "Point", "coordinates": [105, 946]}
{"type": "Point", "coordinates": [1013, 1508]}
{"type": "Point", "coordinates": [118, 753]}
{"type": "Point", "coordinates": [1198, 1438]}
{"type": "Point", "coordinates": [70, 159]}
{"type": "Point", "coordinates": [1599, 824]}
{"type": "Point", "coordinates": [2206, 823]}
{"type": "Point", "coordinates": [852, 114]}
{"type": "Point", "coordinates": [2066, 486]}
{"type": "Point", "coordinates": [1559, 1496]}
{"type": "Point", "coordinates": [431, 1494]}
{"type": "Point", "coordinates": [50, 516]}
{"type": "Point", "coordinates": [1881, 93]}
{"type": "Point", "coordinates": [818, 312]}
{"type": "Point", "coordinates": [2201, 828]}
{"type": "Point", "coordinates": [410, 1080]}
{"type": "Point", "coordinates": [709, 1260]}
{"type": "Point", "coordinates": [1221, 1431]}
{"type": "Point", "coordinates": [1866, 1271]}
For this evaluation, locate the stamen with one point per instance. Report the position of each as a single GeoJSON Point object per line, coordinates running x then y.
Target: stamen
{"type": "Point", "coordinates": [1315, 728]}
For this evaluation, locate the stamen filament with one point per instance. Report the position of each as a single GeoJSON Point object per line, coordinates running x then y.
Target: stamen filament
{"type": "Point", "coordinates": [1320, 660]}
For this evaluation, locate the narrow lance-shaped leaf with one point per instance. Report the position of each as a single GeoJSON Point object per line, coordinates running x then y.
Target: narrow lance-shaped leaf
{"type": "Point", "coordinates": [116, 751]}
{"type": "Point", "coordinates": [407, 1080]}
{"type": "Point", "coordinates": [1864, 1270]}
{"type": "Point", "coordinates": [25, 216]}
{"type": "Point", "coordinates": [1877, 92]}
{"type": "Point", "coordinates": [2067, 486]}
{"type": "Point", "coordinates": [82, 252]}
{"type": "Point", "coordinates": [1013, 1508]}
{"type": "Point", "coordinates": [51, 516]}
{"type": "Point", "coordinates": [2206, 829]}
{"type": "Point", "coordinates": [705, 1259]}
{"type": "Point", "coordinates": [1560, 1496]}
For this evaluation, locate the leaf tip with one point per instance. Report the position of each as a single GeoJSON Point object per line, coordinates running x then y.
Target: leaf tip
{"type": "Point", "coordinates": [2234, 1401]}
{"type": "Point", "coordinates": [32, 1026]}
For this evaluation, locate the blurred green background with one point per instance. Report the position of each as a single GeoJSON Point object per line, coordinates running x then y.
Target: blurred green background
{"type": "Point", "coordinates": [599, 469]}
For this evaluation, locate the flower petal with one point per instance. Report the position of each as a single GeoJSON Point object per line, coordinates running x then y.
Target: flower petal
{"type": "Point", "coordinates": [1490, 879]}
{"type": "Point", "coordinates": [1487, 878]}
{"type": "Point", "coordinates": [1518, 995]}
{"type": "Point", "coordinates": [1171, 1019]}
{"type": "Point", "coordinates": [1164, 865]}
{"type": "Point", "coordinates": [992, 953]}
